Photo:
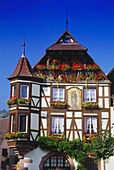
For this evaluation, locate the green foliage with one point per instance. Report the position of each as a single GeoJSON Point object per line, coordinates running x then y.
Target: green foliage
{"type": "Point", "coordinates": [102, 145]}
{"type": "Point", "coordinates": [80, 167]}
{"type": "Point", "coordinates": [74, 148]}
{"type": "Point", "coordinates": [15, 135]}
{"type": "Point", "coordinates": [23, 101]}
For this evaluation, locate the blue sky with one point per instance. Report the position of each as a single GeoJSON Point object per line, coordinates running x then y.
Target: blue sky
{"type": "Point", "coordinates": [42, 22]}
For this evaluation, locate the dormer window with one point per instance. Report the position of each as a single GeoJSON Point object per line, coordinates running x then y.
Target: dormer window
{"type": "Point", "coordinates": [24, 91]}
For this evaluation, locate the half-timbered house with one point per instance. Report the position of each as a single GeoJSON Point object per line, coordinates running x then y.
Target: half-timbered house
{"type": "Point", "coordinates": [65, 94]}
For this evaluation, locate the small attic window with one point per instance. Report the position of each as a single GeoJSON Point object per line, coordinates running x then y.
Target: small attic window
{"type": "Point", "coordinates": [66, 39]}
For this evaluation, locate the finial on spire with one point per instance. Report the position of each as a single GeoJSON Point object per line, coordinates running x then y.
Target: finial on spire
{"type": "Point", "coordinates": [23, 49]}
{"type": "Point", "coordinates": [67, 19]}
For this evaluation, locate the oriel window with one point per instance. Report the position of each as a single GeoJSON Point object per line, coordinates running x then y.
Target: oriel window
{"type": "Point", "coordinates": [23, 122]}
{"type": "Point", "coordinates": [13, 90]}
{"type": "Point", "coordinates": [24, 91]}
{"type": "Point", "coordinates": [13, 123]}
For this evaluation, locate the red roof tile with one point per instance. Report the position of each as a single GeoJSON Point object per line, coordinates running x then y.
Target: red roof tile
{"type": "Point", "coordinates": [23, 69]}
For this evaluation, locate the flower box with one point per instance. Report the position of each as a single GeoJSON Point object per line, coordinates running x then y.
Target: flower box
{"type": "Point", "coordinates": [23, 101]}
{"type": "Point", "coordinates": [90, 105]}
{"type": "Point", "coordinates": [16, 136]}
{"type": "Point", "coordinates": [12, 101]}
{"type": "Point", "coordinates": [59, 104]}
{"type": "Point", "coordinates": [57, 137]}
{"type": "Point", "coordinates": [59, 107]}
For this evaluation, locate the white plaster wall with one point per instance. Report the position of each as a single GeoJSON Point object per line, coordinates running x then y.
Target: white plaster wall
{"type": "Point", "coordinates": [46, 91]}
{"type": "Point", "coordinates": [106, 91]}
{"type": "Point", "coordinates": [106, 100]}
{"type": "Point", "coordinates": [109, 164]}
{"type": "Point", "coordinates": [100, 102]}
{"type": "Point", "coordinates": [100, 91]}
{"type": "Point", "coordinates": [44, 104]}
{"type": "Point", "coordinates": [36, 156]}
{"type": "Point", "coordinates": [35, 102]}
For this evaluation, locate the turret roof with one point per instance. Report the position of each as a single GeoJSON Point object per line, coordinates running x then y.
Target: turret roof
{"type": "Point", "coordinates": [23, 69]}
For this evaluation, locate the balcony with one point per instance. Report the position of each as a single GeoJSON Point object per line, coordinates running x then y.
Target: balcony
{"type": "Point", "coordinates": [22, 147]}
{"type": "Point", "coordinates": [20, 143]}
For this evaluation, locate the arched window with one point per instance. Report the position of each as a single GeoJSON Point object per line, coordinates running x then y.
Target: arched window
{"type": "Point", "coordinates": [56, 161]}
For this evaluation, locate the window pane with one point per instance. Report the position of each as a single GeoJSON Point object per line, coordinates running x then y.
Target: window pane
{"type": "Point", "coordinates": [58, 94]}
{"type": "Point", "coordinates": [90, 95]}
{"type": "Point", "coordinates": [4, 152]}
{"type": "Point", "coordinates": [23, 123]}
{"type": "Point", "coordinates": [56, 161]}
{"type": "Point", "coordinates": [57, 125]}
{"type": "Point", "coordinates": [13, 123]}
{"type": "Point", "coordinates": [13, 90]}
{"type": "Point", "coordinates": [90, 125]}
{"type": "Point", "coordinates": [24, 91]}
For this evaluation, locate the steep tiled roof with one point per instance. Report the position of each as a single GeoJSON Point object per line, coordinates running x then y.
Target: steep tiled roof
{"type": "Point", "coordinates": [3, 127]}
{"type": "Point", "coordinates": [23, 69]}
{"type": "Point", "coordinates": [66, 42]}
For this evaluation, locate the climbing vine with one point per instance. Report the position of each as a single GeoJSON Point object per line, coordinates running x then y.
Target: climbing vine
{"type": "Point", "coordinates": [100, 147]}
{"type": "Point", "coordinates": [75, 148]}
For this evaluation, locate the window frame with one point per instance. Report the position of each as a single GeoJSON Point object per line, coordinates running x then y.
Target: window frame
{"type": "Point", "coordinates": [27, 92]}
{"type": "Point", "coordinates": [95, 94]}
{"type": "Point", "coordinates": [4, 152]}
{"type": "Point", "coordinates": [13, 90]}
{"type": "Point", "coordinates": [51, 125]}
{"type": "Point", "coordinates": [19, 123]}
{"type": "Point", "coordinates": [58, 94]}
{"type": "Point", "coordinates": [13, 123]}
{"type": "Point", "coordinates": [56, 161]}
{"type": "Point", "coordinates": [85, 125]}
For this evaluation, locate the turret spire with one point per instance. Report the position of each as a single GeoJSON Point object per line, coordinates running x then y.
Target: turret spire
{"type": "Point", "coordinates": [67, 19]}
{"type": "Point", "coordinates": [23, 49]}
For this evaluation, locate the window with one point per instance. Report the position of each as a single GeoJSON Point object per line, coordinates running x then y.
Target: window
{"type": "Point", "coordinates": [57, 126]}
{"type": "Point", "coordinates": [3, 165]}
{"type": "Point", "coordinates": [58, 94]}
{"type": "Point", "coordinates": [56, 161]}
{"type": "Point", "coordinates": [90, 95]}
{"type": "Point", "coordinates": [12, 153]}
{"type": "Point", "coordinates": [90, 125]}
{"type": "Point", "coordinates": [24, 89]}
{"type": "Point", "coordinates": [23, 122]}
{"type": "Point", "coordinates": [13, 90]}
{"type": "Point", "coordinates": [4, 152]}
{"type": "Point", "coordinates": [13, 123]}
